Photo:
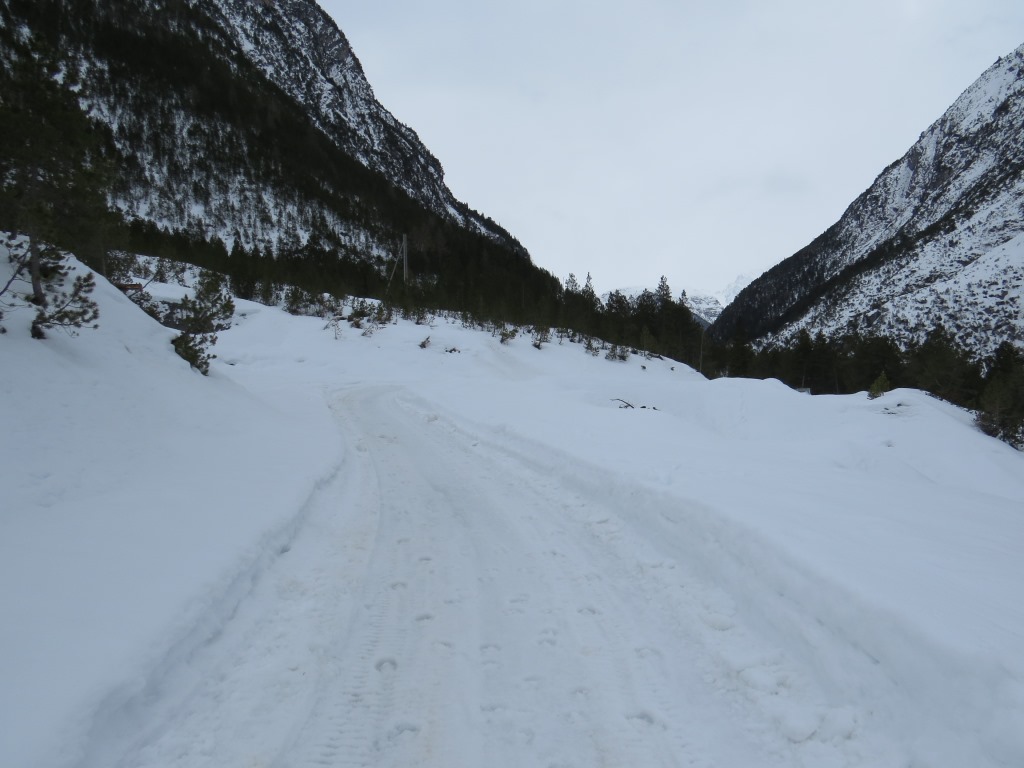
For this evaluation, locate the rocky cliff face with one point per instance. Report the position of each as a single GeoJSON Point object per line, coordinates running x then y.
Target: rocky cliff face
{"type": "Point", "coordinates": [938, 239]}
{"type": "Point", "coordinates": [301, 50]}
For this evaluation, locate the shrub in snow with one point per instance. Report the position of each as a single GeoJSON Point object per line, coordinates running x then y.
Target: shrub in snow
{"type": "Point", "coordinates": [541, 336]}
{"type": "Point", "coordinates": [880, 386]}
{"type": "Point", "coordinates": [617, 352]}
{"type": "Point", "coordinates": [199, 318]}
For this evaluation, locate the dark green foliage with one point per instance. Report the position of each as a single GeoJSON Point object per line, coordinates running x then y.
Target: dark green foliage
{"type": "Point", "coordinates": [39, 283]}
{"type": "Point", "coordinates": [69, 309]}
{"type": "Point", "coordinates": [941, 367]}
{"type": "Point", "coordinates": [859, 361]}
{"type": "Point", "coordinates": [854, 363]}
{"type": "Point", "coordinates": [55, 163]}
{"type": "Point", "coordinates": [195, 350]}
{"type": "Point", "coordinates": [507, 334]}
{"type": "Point", "coordinates": [199, 318]}
{"type": "Point", "coordinates": [652, 323]}
{"type": "Point", "coordinates": [1002, 398]}
{"type": "Point", "coordinates": [540, 337]}
{"type": "Point", "coordinates": [880, 386]}
{"type": "Point", "coordinates": [617, 352]}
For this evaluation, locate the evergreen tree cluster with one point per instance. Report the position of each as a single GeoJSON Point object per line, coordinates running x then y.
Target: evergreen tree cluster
{"type": "Point", "coordinates": [652, 323]}
{"type": "Point", "coordinates": [1002, 396]}
{"type": "Point", "coordinates": [853, 363]}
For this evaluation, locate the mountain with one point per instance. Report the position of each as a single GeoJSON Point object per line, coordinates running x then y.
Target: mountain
{"type": "Point", "coordinates": [706, 306]}
{"type": "Point", "coordinates": [937, 240]}
{"type": "Point", "coordinates": [303, 52]}
{"type": "Point", "coordinates": [232, 125]}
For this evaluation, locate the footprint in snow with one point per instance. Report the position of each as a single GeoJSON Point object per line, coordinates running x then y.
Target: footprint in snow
{"type": "Point", "coordinates": [403, 730]}
{"type": "Point", "coordinates": [718, 622]}
{"type": "Point", "coordinates": [645, 719]}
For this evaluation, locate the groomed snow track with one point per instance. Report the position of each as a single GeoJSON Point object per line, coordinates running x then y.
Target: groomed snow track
{"type": "Point", "coordinates": [451, 602]}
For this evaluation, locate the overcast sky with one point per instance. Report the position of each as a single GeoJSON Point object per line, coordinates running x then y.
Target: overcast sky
{"type": "Point", "coordinates": [699, 140]}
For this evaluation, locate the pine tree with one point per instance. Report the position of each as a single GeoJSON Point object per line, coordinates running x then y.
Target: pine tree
{"type": "Point", "coordinates": [663, 294]}
{"type": "Point", "coordinates": [199, 318]}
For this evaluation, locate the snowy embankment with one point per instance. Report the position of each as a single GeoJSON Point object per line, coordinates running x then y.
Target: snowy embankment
{"type": "Point", "coordinates": [358, 551]}
{"type": "Point", "coordinates": [140, 499]}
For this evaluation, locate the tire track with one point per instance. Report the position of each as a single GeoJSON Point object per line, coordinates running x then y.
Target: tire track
{"type": "Point", "coordinates": [449, 603]}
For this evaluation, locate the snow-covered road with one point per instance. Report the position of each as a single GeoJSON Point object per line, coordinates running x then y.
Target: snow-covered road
{"type": "Point", "coordinates": [452, 602]}
{"type": "Point", "coordinates": [351, 547]}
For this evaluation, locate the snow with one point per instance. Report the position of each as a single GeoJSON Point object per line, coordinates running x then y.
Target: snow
{"type": "Point", "coordinates": [356, 551]}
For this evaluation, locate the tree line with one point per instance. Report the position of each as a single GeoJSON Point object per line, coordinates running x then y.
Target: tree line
{"type": "Point", "coordinates": [993, 385]}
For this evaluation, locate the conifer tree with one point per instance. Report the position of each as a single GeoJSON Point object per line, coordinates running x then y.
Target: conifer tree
{"type": "Point", "coordinates": [663, 294]}
{"type": "Point", "coordinates": [199, 318]}
{"type": "Point", "coordinates": [1002, 399]}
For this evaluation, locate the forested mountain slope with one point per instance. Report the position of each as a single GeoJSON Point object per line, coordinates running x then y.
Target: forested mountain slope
{"type": "Point", "coordinates": [250, 127]}
{"type": "Point", "coordinates": [937, 240]}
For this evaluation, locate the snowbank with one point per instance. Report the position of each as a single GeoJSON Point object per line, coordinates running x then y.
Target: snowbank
{"type": "Point", "coordinates": [139, 500]}
{"type": "Point", "coordinates": [870, 551]}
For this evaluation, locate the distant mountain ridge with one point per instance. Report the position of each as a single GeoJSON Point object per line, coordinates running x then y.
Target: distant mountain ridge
{"type": "Point", "coordinates": [937, 240]}
{"type": "Point", "coordinates": [705, 305]}
{"type": "Point", "coordinates": [708, 305]}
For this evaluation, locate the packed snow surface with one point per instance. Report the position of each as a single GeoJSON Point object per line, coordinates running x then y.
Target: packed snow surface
{"type": "Point", "coordinates": [348, 549]}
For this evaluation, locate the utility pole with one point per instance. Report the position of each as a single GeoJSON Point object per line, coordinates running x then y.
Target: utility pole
{"type": "Point", "coordinates": [405, 259]}
{"type": "Point", "coordinates": [700, 363]}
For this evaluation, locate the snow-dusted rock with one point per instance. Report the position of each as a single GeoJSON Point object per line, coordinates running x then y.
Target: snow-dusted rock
{"type": "Point", "coordinates": [936, 239]}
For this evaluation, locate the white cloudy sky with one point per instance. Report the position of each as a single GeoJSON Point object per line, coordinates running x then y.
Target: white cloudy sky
{"type": "Point", "coordinates": [699, 140]}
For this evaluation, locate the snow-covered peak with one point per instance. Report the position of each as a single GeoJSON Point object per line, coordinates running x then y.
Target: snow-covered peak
{"type": "Point", "coordinates": [708, 305]}
{"type": "Point", "coordinates": [731, 291]}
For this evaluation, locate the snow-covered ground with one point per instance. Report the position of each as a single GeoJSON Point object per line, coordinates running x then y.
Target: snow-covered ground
{"type": "Point", "coordinates": [355, 551]}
